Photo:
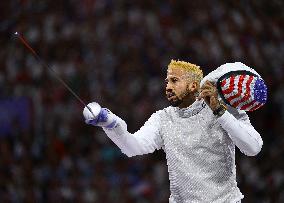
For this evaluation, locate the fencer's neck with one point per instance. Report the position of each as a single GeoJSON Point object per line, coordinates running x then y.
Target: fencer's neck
{"type": "Point", "coordinates": [187, 101]}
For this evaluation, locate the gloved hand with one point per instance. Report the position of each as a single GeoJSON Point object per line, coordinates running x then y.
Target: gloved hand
{"type": "Point", "coordinates": [99, 116]}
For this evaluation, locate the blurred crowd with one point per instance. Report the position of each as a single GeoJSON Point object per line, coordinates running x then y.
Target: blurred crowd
{"type": "Point", "coordinates": [116, 53]}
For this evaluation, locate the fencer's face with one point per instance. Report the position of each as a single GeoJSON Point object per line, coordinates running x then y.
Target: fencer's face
{"type": "Point", "coordinates": [178, 86]}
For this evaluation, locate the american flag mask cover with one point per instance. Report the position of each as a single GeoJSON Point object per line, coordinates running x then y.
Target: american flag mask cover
{"type": "Point", "coordinates": [242, 89]}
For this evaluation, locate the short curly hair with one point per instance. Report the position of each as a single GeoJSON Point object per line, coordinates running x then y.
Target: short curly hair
{"type": "Point", "coordinates": [194, 71]}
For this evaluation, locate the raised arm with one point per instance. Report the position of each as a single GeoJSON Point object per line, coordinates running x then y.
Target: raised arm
{"type": "Point", "coordinates": [234, 121]}
{"type": "Point", "coordinates": [144, 141]}
{"type": "Point", "coordinates": [240, 130]}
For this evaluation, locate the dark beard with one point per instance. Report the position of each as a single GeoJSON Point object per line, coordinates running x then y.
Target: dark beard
{"type": "Point", "coordinates": [176, 102]}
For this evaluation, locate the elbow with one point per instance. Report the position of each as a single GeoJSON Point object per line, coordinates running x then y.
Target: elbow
{"type": "Point", "coordinates": [128, 153]}
{"type": "Point", "coordinates": [253, 151]}
{"type": "Point", "coordinates": [131, 153]}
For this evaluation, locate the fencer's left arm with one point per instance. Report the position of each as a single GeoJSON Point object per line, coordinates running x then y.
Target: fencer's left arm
{"type": "Point", "coordinates": [242, 133]}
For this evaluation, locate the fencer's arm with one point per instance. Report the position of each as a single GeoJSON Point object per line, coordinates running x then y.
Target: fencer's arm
{"type": "Point", "coordinates": [144, 141]}
{"type": "Point", "coordinates": [242, 133]}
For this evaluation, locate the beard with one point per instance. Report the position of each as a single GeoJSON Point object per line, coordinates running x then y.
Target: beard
{"type": "Point", "coordinates": [176, 102]}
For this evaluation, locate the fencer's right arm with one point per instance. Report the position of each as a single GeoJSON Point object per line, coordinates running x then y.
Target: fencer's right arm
{"type": "Point", "coordinates": [146, 140]}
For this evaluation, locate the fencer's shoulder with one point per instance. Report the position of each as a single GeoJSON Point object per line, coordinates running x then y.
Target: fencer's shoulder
{"type": "Point", "coordinates": [155, 117]}
{"type": "Point", "coordinates": [163, 111]}
{"type": "Point", "coordinates": [167, 111]}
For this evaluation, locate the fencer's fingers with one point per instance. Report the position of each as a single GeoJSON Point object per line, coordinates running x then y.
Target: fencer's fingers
{"type": "Point", "coordinates": [213, 100]}
{"type": "Point", "coordinates": [207, 86]}
{"type": "Point", "coordinates": [202, 94]}
{"type": "Point", "coordinates": [205, 93]}
{"type": "Point", "coordinates": [211, 89]}
{"type": "Point", "coordinates": [209, 83]}
{"type": "Point", "coordinates": [204, 86]}
{"type": "Point", "coordinates": [214, 103]}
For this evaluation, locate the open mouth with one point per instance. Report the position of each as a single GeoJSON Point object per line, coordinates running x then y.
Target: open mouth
{"type": "Point", "coordinates": [171, 96]}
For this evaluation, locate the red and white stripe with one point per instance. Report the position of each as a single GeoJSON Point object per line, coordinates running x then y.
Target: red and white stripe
{"type": "Point", "coordinates": [238, 91]}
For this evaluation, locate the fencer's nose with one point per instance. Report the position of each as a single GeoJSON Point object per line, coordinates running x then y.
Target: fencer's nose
{"type": "Point", "coordinates": [169, 87]}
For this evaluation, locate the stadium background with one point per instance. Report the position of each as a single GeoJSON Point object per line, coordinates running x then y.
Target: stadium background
{"type": "Point", "coordinates": [116, 53]}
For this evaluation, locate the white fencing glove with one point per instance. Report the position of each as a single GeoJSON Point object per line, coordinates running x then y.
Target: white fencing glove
{"type": "Point", "coordinates": [99, 116]}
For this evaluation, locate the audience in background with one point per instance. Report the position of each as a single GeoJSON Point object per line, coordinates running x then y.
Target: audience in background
{"type": "Point", "coordinates": [116, 53]}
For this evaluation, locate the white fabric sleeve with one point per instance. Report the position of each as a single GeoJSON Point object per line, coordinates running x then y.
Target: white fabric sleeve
{"type": "Point", "coordinates": [146, 140]}
{"type": "Point", "coordinates": [242, 133]}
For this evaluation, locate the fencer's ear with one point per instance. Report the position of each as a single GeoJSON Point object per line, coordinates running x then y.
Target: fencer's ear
{"type": "Point", "coordinates": [193, 86]}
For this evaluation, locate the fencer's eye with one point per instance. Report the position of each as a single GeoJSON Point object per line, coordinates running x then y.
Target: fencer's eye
{"type": "Point", "coordinates": [166, 81]}
{"type": "Point", "coordinates": [171, 80]}
{"type": "Point", "coordinates": [174, 80]}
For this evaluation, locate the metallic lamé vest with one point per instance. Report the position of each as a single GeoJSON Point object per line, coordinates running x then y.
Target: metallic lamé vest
{"type": "Point", "coordinates": [200, 156]}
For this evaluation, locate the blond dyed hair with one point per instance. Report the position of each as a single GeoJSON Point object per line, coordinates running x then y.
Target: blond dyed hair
{"type": "Point", "coordinates": [194, 71]}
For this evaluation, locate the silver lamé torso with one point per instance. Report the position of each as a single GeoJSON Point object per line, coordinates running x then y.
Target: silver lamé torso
{"type": "Point", "coordinates": [200, 156]}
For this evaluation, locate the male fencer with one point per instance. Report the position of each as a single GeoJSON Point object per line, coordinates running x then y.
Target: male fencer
{"type": "Point", "coordinates": [198, 132]}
